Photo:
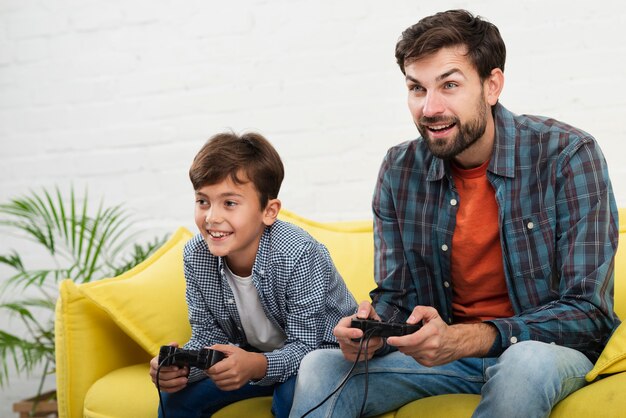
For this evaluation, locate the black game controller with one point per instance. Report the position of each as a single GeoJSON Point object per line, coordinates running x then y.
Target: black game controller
{"type": "Point", "coordinates": [202, 359]}
{"type": "Point", "coordinates": [374, 328]}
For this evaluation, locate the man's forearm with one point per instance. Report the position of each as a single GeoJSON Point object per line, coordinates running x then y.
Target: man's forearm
{"type": "Point", "coordinates": [474, 340]}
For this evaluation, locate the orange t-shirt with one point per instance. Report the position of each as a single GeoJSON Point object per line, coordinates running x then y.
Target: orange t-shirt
{"type": "Point", "coordinates": [478, 283]}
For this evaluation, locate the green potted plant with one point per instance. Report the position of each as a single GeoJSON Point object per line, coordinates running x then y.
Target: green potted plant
{"type": "Point", "coordinates": [74, 242]}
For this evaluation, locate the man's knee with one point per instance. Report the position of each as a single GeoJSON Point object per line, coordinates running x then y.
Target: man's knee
{"type": "Point", "coordinates": [527, 354]}
{"type": "Point", "coordinates": [321, 361]}
{"type": "Point", "coordinates": [534, 358]}
{"type": "Point", "coordinates": [541, 365]}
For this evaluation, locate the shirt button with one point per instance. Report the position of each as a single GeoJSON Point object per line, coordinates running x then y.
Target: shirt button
{"type": "Point", "coordinates": [230, 301]}
{"type": "Point", "coordinates": [449, 320]}
{"type": "Point", "coordinates": [453, 202]}
{"type": "Point", "coordinates": [530, 225]}
{"type": "Point", "coordinates": [513, 340]}
{"type": "Point", "coordinates": [262, 272]}
{"type": "Point", "coordinates": [446, 284]}
{"type": "Point", "coordinates": [444, 247]}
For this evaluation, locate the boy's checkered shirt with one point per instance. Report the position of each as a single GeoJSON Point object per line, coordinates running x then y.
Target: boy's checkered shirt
{"type": "Point", "coordinates": [299, 289]}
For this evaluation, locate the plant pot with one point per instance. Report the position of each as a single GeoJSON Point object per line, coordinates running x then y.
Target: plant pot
{"type": "Point", "coordinates": [46, 406]}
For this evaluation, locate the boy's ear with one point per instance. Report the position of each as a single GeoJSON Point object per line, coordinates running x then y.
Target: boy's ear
{"type": "Point", "coordinates": [270, 213]}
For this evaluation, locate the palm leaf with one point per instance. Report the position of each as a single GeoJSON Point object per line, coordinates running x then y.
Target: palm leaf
{"type": "Point", "coordinates": [12, 260]}
{"type": "Point", "coordinates": [63, 219]}
{"type": "Point", "coordinates": [81, 245]}
{"type": "Point", "coordinates": [26, 354]}
{"type": "Point", "coordinates": [139, 254]}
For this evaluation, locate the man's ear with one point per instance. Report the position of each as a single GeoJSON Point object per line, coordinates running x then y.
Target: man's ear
{"type": "Point", "coordinates": [493, 86]}
{"type": "Point", "coordinates": [270, 213]}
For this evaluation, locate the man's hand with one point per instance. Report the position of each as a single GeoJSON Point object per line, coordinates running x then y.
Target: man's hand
{"type": "Point", "coordinates": [237, 368]}
{"type": "Point", "coordinates": [437, 343]}
{"type": "Point", "coordinates": [345, 334]}
{"type": "Point", "coordinates": [171, 378]}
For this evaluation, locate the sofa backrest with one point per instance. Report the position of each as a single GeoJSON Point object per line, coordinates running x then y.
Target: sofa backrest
{"type": "Point", "coordinates": [351, 245]}
{"type": "Point", "coordinates": [620, 269]}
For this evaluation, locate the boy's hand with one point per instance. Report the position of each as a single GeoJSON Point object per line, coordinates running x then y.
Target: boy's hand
{"type": "Point", "coordinates": [237, 368]}
{"type": "Point", "coordinates": [171, 378]}
{"type": "Point", "coordinates": [345, 334]}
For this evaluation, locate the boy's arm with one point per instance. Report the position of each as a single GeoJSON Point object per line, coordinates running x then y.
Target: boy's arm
{"type": "Point", "coordinates": [204, 328]}
{"type": "Point", "coordinates": [316, 300]}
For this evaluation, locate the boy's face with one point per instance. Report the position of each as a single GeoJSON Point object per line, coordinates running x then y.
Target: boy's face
{"type": "Point", "coordinates": [231, 220]}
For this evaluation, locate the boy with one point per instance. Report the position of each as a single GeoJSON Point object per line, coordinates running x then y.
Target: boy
{"type": "Point", "coordinates": [259, 290]}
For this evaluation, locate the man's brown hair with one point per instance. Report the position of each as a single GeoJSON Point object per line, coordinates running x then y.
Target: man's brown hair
{"type": "Point", "coordinates": [485, 47]}
{"type": "Point", "coordinates": [249, 155]}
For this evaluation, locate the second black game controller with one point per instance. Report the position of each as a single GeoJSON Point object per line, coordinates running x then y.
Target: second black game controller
{"type": "Point", "coordinates": [202, 359]}
{"type": "Point", "coordinates": [374, 328]}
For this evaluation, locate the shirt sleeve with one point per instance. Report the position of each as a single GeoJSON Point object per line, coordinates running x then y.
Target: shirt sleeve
{"type": "Point", "coordinates": [395, 295]}
{"type": "Point", "coordinates": [204, 329]}
{"type": "Point", "coordinates": [585, 217]}
{"type": "Point", "coordinates": [316, 299]}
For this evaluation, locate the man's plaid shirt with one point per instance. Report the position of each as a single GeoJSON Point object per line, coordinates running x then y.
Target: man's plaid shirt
{"type": "Point", "coordinates": [558, 231]}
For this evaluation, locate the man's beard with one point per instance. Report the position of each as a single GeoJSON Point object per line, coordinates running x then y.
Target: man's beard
{"type": "Point", "coordinates": [468, 133]}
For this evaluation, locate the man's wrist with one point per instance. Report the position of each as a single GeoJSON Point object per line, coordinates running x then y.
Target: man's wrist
{"type": "Point", "coordinates": [475, 340]}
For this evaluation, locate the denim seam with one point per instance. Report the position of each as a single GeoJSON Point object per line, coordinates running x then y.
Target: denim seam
{"type": "Point", "coordinates": [473, 379]}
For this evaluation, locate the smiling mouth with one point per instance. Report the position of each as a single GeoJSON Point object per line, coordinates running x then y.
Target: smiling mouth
{"type": "Point", "coordinates": [218, 234]}
{"type": "Point", "coordinates": [440, 128]}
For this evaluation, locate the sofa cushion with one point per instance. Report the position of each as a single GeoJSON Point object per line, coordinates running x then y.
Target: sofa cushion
{"type": "Point", "coordinates": [613, 357]}
{"type": "Point", "coordinates": [126, 386]}
{"type": "Point", "coordinates": [351, 246]}
{"type": "Point", "coordinates": [442, 406]}
{"type": "Point", "coordinates": [603, 398]}
{"type": "Point", "coordinates": [260, 407]}
{"type": "Point", "coordinates": [148, 301]}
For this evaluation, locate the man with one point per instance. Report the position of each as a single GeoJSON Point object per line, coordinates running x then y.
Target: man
{"type": "Point", "coordinates": [495, 231]}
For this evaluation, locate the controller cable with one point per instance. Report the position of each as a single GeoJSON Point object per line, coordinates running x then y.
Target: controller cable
{"type": "Point", "coordinates": [161, 364]}
{"type": "Point", "coordinates": [363, 347]}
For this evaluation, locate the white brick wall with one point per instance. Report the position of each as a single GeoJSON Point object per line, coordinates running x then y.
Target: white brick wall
{"type": "Point", "coordinates": [119, 95]}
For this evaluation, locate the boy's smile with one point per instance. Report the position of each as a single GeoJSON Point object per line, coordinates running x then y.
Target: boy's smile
{"type": "Point", "coordinates": [230, 218]}
{"type": "Point", "coordinates": [218, 235]}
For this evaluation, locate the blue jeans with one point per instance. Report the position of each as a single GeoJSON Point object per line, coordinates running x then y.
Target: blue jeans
{"type": "Point", "coordinates": [527, 380]}
{"type": "Point", "coordinates": [203, 398]}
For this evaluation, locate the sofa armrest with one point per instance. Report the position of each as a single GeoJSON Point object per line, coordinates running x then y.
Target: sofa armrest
{"type": "Point", "coordinates": [88, 346]}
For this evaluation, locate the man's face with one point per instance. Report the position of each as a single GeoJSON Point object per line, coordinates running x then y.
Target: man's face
{"type": "Point", "coordinates": [447, 101]}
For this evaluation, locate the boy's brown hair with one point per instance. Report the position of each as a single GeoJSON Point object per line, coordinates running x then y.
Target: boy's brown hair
{"type": "Point", "coordinates": [249, 155]}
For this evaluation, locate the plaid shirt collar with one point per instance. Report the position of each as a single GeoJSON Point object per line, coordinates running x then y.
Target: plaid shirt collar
{"type": "Point", "coordinates": [503, 157]}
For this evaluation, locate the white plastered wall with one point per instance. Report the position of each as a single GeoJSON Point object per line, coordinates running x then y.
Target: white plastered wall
{"type": "Point", "coordinates": [118, 95]}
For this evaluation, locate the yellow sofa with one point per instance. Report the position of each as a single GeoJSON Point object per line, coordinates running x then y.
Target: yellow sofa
{"type": "Point", "coordinates": [107, 332]}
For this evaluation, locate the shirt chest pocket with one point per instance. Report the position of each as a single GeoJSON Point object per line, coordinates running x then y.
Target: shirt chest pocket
{"type": "Point", "coordinates": [530, 246]}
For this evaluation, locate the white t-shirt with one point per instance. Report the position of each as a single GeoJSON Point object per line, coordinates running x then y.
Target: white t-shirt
{"type": "Point", "coordinates": [261, 333]}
